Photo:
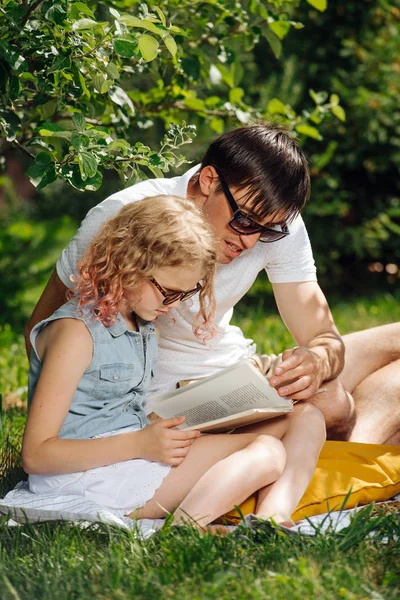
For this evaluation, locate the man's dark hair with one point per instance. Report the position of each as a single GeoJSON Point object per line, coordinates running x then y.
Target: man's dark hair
{"type": "Point", "coordinates": [267, 161]}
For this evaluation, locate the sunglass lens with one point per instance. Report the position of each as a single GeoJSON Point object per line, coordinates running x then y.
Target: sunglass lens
{"type": "Point", "coordinates": [189, 294]}
{"type": "Point", "coordinates": [171, 299]}
{"type": "Point", "coordinates": [244, 225]}
{"type": "Point", "coordinates": [271, 236]}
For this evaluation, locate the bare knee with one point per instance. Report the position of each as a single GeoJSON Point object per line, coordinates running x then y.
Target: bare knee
{"type": "Point", "coordinates": [269, 455]}
{"type": "Point", "coordinates": [311, 420]}
{"type": "Point", "coordinates": [337, 407]}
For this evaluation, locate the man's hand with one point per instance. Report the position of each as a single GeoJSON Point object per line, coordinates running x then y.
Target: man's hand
{"type": "Point", "coordinates": [299, 375]}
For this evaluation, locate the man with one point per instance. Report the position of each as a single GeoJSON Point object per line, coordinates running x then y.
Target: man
{"type": "Point", "coordinates": [252, 184]}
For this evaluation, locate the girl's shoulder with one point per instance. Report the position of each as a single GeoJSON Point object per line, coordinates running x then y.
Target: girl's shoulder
{"type": "Point", "coordinates": [63, 329]}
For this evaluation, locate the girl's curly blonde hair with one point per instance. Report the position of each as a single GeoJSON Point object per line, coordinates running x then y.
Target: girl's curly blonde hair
{"type": "Point", "coordinates": [147, 235]}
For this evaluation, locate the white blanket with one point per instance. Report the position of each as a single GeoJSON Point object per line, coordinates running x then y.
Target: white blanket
{"type": "Point", "coordinates": [21, 505]}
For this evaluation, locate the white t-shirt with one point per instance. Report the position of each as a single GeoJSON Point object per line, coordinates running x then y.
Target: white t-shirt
{"type": "Point", "coordinates": [181, 354]}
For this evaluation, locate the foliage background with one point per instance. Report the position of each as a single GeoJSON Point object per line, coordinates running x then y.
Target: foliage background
{"type": "Point", "coordinates": [89, 102]}
{"type": "Point", "coordinates": [86, 100]}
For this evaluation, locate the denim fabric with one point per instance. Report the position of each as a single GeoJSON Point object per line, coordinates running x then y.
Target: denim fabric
{"type": "Point", "coordinates": [112, 391]}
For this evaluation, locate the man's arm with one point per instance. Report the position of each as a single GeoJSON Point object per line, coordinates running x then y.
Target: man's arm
{"type": "Point", "coordinates": [53, 296]}
{"type": "Point", "coordinates": [320, 354]}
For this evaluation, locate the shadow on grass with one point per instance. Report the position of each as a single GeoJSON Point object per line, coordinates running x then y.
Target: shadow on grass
{"type": "Point", "coordinates": [11, 471]}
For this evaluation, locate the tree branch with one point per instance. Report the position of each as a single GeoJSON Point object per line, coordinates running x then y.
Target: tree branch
{"type": "Point", "coordinates": [22, 148]}
{"type": "Point", "coordinates": [30, 11]}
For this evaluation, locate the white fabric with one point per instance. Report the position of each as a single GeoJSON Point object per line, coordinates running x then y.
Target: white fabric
{"type": "Point", "coordinates": [22, 505]}
{"type": "Point", "coordinates": [181, 354]}
{"type": "Point", "coordinates": [121, 487]}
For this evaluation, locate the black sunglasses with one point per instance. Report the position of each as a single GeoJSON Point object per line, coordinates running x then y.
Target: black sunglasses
{"type": "Point", "coordinates": [242, 224]}
{"type": "Point", "coordinates": [171, 297]}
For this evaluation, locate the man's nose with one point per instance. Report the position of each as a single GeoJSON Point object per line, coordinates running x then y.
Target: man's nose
{"type": "Point", "coordinates": [250, 240]}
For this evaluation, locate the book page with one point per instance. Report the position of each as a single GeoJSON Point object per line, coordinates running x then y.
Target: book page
{"type": "Point", "coordinates": [232, 391]}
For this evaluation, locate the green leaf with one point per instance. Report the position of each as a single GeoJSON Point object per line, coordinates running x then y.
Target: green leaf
{"type": "Point", "coordinates": [320, 5]}
{"type": "Point", "coordinates": [334, 99]}
{"type": "Point", "coordinates": [280, 28]}
{"type": "Point", "coordinates": [119, 146]}
{"type": "Point", "coordinates": [235, 95]}
{"type": "Point", "coordinates": [53, 130]}
{"type": "Point", "coordinates": [79, 8]}
{"type": "Point", "coordinates": [79, 142]}
{"type": "Point", "coordinates": [156, 171]}
{"type": "Point", "coordinates": [194, 103]}
{"type": "Point", "coordinates": [15, 87]}
{"type": "Point", "coordinates": [112, 71]}
{"type": "Point", "coordinates": [61, 62]}
{"type": "Point", "coordinates": [125, 46]}
{"type": "Point", "coordinates": [10, 122]}
{"type": "Point", "coordinates": [339, 112]}
{"type": "Point", "coordinates": [114, 13]}
{"type": "Point", "coordinates": [42, 171]}
{"type": "Point", "coordinates": [131, 21]}
{"type": "Point", "coordinates": [217, 125]}
{"type": "Point", "coordinates": [15, 12]}
{"type": "Point", "coordinates": [71, 174]}
{"type": "Point", "coordinates": [309, 131]}
{"type": "Point", "coordinates": [233, 74]}
{"type": "Point", "coordinates": [274, 42]}
{"type": "Point", "coordinates": [237, 72]}
{"type": "Point", "coordinates": [213, 101]}
{"type": "Point", "coordinates": [79, 121]}
{"type": "Point", "coordinates": [171, 44]}
{"type": "Point", "coordinates": [56, 14]}
{"type": "Point", "coordinates": [97, 133]}
{"type": "Point", "coordinates": [39, 142]}
{"type": "Point", "coordinates": [276, 106]}
{"type": "Point", "coordinates": [80, 81]}
{"type": "Point", "coordinates": [161, 15]}
{"type": "Point", "coordinates": [120, 97]}
{"type": "Point", "coordinates": [318, 97]}
{"type": "Point", "coordinates": [85, 24]}
{"type": "Point", "coordinates": [11, 56]}
{"type": "Point", "coordinates": [148, 47]}
{"type": "Point", "coordinates": [87, 165]}
{"type": "Point", "coordinates": [101, 84]}
{"type": "Point", "coordinates": [48, 108]}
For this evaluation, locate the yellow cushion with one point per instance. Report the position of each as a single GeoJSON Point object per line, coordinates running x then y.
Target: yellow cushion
{"type": "Point", "coordinates": [370, 471]}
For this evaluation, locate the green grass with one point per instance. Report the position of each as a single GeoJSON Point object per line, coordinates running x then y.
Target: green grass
{"type": "Point", "coordinates": [57, 560]}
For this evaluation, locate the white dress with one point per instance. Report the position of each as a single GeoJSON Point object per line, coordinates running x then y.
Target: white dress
{"type": "Point", "coordinates": [122, 487]}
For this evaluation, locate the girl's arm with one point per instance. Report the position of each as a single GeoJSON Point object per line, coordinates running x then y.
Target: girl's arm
{"type": "Point", "coordinates": [66, 349]}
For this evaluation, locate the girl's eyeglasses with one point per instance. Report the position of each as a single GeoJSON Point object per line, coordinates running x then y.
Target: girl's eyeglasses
{"type": "Point", "coordinates": [242, 224]}
{"type": "Point", "coordinates": [171, 297]}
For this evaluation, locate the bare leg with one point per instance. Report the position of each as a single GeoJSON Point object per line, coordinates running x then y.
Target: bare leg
{"type": "Point", "coordinates": [234, 479]}
{"type": "Point", "coordinates": [338, 409]}
{"type": "Point", "coordinates": [378, 406]}
{"type": "Point", "coordinates": [372, 375]}
{"type": "Point", "coordinates": [218, 472]}
{"type": "Point", "coordinates": [303, 435]}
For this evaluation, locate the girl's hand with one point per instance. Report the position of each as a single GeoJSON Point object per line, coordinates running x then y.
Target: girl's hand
{"type": "Point", "coordinates": [162, 443]}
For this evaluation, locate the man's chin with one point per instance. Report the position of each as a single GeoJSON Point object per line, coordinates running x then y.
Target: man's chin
{"type": "Point", "coordinates": [223, 259]}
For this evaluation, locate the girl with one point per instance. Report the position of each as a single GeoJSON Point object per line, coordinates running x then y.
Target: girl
{"type": "Point", "coordinates": [87, 432]}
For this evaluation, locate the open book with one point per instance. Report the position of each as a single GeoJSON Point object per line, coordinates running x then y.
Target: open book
{"type": "Point", "coordinates": [236, 396]}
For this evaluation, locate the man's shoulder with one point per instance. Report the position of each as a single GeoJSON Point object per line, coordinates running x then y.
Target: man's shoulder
{"type": "Point", "coordinates": [152, 187]}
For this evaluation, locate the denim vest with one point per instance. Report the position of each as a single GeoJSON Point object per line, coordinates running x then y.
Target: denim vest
{"type": "Point", "coordinates": [112, 391]}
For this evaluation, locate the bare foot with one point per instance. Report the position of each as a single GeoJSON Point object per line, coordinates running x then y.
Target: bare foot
{"type": "Point", "coordinates": [218, 530]}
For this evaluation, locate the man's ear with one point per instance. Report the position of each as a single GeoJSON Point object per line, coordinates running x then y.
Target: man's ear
{"type": "Point", "coordinates": [207, 180]}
